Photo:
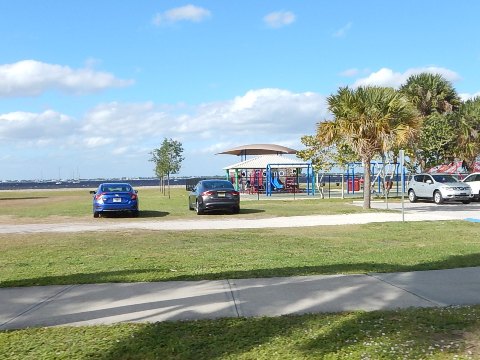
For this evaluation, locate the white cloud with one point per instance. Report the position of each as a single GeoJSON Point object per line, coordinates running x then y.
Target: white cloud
{"type": "Point", "coordinates": [261, 113]}
{"type": "Point", "coordinates": [466, 96]}
{"type": "Point", "coordinates": [41, 129]}
{"type": "Point", "coordinates": [349, 72]}
{"type": "Point", "coordinates": [32, 78]}
{"type": "Point", "coordinates": [97, 141]}
{"type": "Point", "coordinates": [342, 32]}
{"type": "Point", "coordinates": [387, 77]}
{"type": "Point", "coordinates": [128, 131]}
{"type": "Point", "coordinates": [184, 13]}
{"type": "Point", "coordinates": [279, 19]}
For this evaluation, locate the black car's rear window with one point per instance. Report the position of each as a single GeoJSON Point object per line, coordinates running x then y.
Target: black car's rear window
{"type": "Point", "coordinates": [210, 185]}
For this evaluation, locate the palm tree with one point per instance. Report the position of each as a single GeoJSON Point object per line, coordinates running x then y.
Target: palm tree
{"type": "Point", "coordinates": [435, 99]}
{"type": "Point", "coordinates": [469, 126]}
{"type": "Point", "coordinates": [372, 121]}
{"type": "Point", "coordinates": [431, 93]}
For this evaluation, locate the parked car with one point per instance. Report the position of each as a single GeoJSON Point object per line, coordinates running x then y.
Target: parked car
{"type": "Point", "coordinates": [474, 181]}
{"type": "Point", "coordinates": [214, 195]}
{"type": "Point", "coordinates": [439, 188]}
{"type": "Point", "coordinates": [115, 197]}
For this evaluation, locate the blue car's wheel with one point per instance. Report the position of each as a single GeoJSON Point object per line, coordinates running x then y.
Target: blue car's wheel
{"type": "Point", "coordinates": [96, 214]}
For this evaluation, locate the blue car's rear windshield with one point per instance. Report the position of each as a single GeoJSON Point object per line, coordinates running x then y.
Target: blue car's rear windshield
{"type": "Point", "coordinates": [116, 188]}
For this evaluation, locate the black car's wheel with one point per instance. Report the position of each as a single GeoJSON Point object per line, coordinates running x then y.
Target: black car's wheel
{"type": "Point", "coordinates": [198, 210]}
{"type": "Point", "coordinates": [235, 209]}
{"type": "Point", "coordinates": [412, 196]}
{"type": "Point", "coordinates": [466, 201]}
{"type": "Point", "coordinates": [437, 197]}
{"type": "Point", "coordinates": [190, 206]}
{"type": "Point", "coordinates": [96, 214]}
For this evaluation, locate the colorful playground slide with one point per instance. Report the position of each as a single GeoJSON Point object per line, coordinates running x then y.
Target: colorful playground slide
{"type": "Point", "coordinates": [276, 183]}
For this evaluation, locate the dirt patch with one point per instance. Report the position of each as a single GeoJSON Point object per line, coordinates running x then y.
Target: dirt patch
{"type": "Point", "coordinates": [16, 220]}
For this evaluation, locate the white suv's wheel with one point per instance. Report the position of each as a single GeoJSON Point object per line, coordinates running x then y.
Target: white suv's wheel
{"type": "Point", "coordinates": [411, 196]}
{"type": "Point", "coordinates": [437, 197]}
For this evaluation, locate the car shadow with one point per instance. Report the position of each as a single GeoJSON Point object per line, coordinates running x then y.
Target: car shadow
{"type": "Point", "coordinates": [251, 211]}
{"type": "Point", "coordinates": [152, 214]}
{"type": "Point", "coordinates": [141, 214]}
{"type": "Point", "coordinates": [242, 212]}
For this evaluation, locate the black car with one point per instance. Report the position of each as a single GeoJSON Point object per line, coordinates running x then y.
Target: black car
{"type": "Point", "coordinates": [214, 195]}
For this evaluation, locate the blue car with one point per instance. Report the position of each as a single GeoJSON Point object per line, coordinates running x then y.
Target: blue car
{"type": "Point", "coordinates": [115, 197]}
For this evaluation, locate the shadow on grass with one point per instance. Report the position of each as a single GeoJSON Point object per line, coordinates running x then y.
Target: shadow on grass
{"type": "Point", "coordinates": [243, 211]}
{"type": "Point", "coordinates": [251, 211]}
{"type": "Point", "coordinates": [141, 214]}
{"type": "Point", "coordinates": [155, 274]}
{"type": "Point", "coordinates": [413, 333]}
{"type": "Point", "coordinates": [152, 214]}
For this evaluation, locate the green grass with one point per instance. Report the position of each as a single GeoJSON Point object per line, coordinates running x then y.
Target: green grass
{"type": "Point", "coordinates": [129, 256]}
{"type": "Point", "coordinates": [153, 204]}
{"type": "Point", "coordinates": [448, 333]}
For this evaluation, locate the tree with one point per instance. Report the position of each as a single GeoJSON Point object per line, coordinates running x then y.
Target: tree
{"type": "Point", "coordinates": [372, 121]}
{"type": "Point", "coordinates": [431, 93]}
{"type": "Point", "coordinates": [324, 158]}
{"type": "Point", "coordinates": [168, 159]}
{"type": "Point", "coordinates": [468, 124]}
{"type": "Point", "coordinates": [435, 99]}
{"type": "Point", "coordinates": [438, 139]}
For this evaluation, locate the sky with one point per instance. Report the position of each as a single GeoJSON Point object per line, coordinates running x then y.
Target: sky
{"type": "Point", "coordinates": [89, 88]}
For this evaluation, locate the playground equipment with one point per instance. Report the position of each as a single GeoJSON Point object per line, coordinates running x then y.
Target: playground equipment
{"type": "Point", "coordinates": [274, 172]}
{"type": "Point", "coordinates": [269, 173]}
{"type": "Point", "coordinates": [383, 176]}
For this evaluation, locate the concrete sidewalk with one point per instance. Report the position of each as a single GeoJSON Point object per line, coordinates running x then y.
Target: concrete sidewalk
{"type": "Point", "coordinates": [187, 300]}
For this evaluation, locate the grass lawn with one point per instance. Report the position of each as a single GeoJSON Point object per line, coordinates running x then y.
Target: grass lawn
{"type": "Point", "coordinates": [127, 256]}
{"type": "Point", "coordinates": [34, 206]}
{"type": "Point", "coordinates": [448, 333]}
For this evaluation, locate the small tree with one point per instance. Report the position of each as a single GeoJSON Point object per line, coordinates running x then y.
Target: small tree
{"type": "Point", "coordinates": [168, 160]}
{"type": "Point", "coordinates": [324, 158]}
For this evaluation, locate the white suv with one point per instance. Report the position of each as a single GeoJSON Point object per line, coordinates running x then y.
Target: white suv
{"type": "Point", "coordinates": [474, 181]}
{"type": "Point", "coordinates": [439, 187]}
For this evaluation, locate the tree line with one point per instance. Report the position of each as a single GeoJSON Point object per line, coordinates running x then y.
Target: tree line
{"type": "Point", "coordinates": [425, 116]}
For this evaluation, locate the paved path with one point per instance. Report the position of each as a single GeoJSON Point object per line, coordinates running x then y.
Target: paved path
{"type": "Point", "coordinates": [187, 300]}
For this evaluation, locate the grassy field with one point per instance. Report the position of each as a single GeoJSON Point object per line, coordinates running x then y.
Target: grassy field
{"type": "Point", "coordinates": [128, 256]}
{"type": "Point", "coordinates": [77, 204]}
{"type": "Point", "coordinates": [43, 259]}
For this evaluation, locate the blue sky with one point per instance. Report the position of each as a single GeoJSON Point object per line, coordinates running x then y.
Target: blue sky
{"type": "Point", "coordinates": [91, 87]}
